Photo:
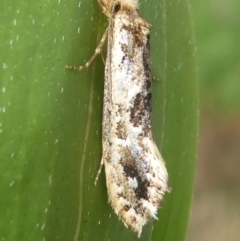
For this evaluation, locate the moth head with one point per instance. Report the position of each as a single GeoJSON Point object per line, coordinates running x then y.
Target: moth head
{"type": "Point", "coordinates": [111, 7]}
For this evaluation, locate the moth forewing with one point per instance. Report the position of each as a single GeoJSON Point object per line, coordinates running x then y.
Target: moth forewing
{"type": "Point", "coordinates": [135, 171]}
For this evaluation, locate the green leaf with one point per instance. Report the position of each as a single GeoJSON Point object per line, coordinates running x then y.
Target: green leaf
{"type": "Point", "coordinates": [50, 121]}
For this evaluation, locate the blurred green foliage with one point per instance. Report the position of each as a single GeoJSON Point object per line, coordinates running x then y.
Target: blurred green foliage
{"type": "Point", "coordinates": [217, 31]}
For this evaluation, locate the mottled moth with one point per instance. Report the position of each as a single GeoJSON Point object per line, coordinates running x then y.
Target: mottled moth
{"type": "Point", "coordinates": [136, 175]}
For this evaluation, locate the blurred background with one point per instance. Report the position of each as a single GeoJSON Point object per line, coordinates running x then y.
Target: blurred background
{"type": "Point", "coordinates": [215, 211]}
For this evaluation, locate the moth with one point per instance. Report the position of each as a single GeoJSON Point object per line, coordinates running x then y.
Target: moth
{"type": "Point", "coordinates": [136, 175]}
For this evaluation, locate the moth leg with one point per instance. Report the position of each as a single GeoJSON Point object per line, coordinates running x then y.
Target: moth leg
{"type": "Point", "coordinates": [99, 172]}
{"type": "Point", "coordinates": [98, 50]}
